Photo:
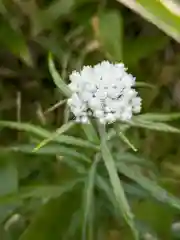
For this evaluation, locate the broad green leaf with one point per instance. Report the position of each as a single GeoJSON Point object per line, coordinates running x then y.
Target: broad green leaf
{"type": "Point", "coordinates": [14, 41]}
{"type": "Point", "coordinates": [53, 219]}
{"type": "Point", "coordinates": [57, 78]}
{"type": "Point", "coordinates": [111, 37]}
{"type": "Point", "coordinates": [158, 117]}
{"type": "Point", "coordinates": [155, 12]}
{"type": "Point", "coordinates": [123, 206]}
{"type": "Point", "coordinates": [150, 186]}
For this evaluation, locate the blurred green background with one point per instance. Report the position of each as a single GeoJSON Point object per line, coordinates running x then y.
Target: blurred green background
{"type": "Point", "coordinates": [145, 35]}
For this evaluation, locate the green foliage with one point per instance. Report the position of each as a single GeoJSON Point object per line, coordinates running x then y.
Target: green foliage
{"type": "Point", "coordinates": [63, 180]}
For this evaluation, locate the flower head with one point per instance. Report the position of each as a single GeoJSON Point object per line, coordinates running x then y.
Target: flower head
{"type": "Point", "coordinates": [105, 92]}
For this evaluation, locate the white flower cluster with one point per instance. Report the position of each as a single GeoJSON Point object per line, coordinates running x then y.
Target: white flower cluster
{"type": "Point", "coordinates": [105, 92]}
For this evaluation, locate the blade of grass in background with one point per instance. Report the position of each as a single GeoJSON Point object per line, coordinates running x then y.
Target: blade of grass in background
{"type": "Point", "coordinates": [155, 12]}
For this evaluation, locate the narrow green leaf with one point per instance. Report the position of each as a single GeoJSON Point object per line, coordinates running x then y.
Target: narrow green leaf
{"type": "Point", "coordinates": [133, 159]}
{"type": "Point", "coordinates": [124, 138]}
{"type": "Point", "coordinates": [41, 132]}
{"type": "Point", "coordinates": [145, 85]}
{"type": "Point", "coordinates": [88, 200]}
{"type": "Point", "coordinates": [157, 126]}
{"type": "Point", "coordinates": [155, 12]}
{"type": "Point", "coordinates": [88, 128]}
{"type": "Point", "coordinates": [123, 205]}
{"type": "Point", "coordinates": [154, 190]}
{"type": "Point", "coordinates": [90, 133]}
{"type": "Point", "coordinates": [158, 117]}
{"type": "Point", "coordinates": [56, 77]}
{"type": "Point", "coordinates": [51, 149]}
{"type": "Point", "coordinates": [30, 128]}
{"type": "Point", "coordinates": [64, 128]}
